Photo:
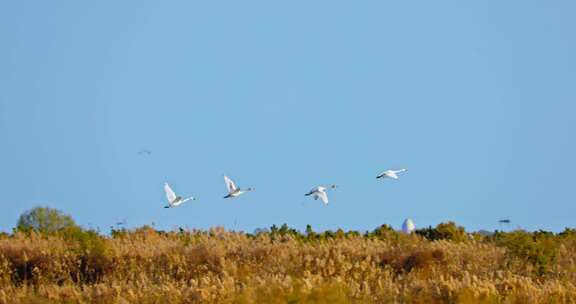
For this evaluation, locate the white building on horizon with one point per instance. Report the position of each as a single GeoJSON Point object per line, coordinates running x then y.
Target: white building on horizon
{"type": "Point", "coordinates": [408, 226]}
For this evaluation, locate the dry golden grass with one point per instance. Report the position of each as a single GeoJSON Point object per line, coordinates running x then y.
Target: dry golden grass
{"type": "Point", "coordinates": [218, 266]}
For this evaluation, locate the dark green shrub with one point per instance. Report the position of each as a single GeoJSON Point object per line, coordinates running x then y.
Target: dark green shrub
{"type": "Point", "coordinates": [539, 248]}
{"type": "Point", "coordinates": [568, 233]}
{"type": "Point", "coordinates": [44, 220]}
{"type": "Point", "coordinates": [93, 254]}
{"type": "Point", "coordinates": [444, 231]}
{"type": "Point", "coordinates": [383, 232]}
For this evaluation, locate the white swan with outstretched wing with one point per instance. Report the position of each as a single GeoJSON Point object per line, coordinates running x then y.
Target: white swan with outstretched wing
{"type": "Point", "coordinates": [233, 190]}
{"type": "Point", "coordinates": [391, 173]}
{"type": "Point", "coordinates": [320, 193]}
{"type": "Point", "coordinates": [173, 199]}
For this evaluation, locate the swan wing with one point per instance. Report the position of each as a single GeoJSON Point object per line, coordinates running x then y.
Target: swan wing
{"type": "Point", "coordinates": [170, 195]}
{"type": "Point", "coordinates": [230, 184]}
{"type": "Point", "coordinates": [323, 196]}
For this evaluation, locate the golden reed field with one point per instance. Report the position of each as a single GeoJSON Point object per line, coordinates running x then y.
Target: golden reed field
{"type": "Point", "coordinates": [436, 265]}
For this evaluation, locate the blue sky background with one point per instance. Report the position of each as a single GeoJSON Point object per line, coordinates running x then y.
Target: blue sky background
{"type": "Point", "coordinates": [476, 99]}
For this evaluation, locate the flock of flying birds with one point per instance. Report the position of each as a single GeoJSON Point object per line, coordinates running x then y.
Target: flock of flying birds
{"type": "Point", "coordinates": [235, 191]}
{"type": "Point", "coordinates": [319, 192]}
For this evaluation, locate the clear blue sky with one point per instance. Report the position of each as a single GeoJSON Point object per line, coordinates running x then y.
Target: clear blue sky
{"type": "Point", "coordinates": [476, 99]}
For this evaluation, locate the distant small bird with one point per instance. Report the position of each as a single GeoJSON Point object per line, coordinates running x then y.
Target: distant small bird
{"type": "Point", "coordinates": [121, 223]}
{"type": "Point", "coordinates": [504, 223]}
{"type": "Point", "coordinates": [233, 190]}
{"type": "Point", "coordinates": [408, 226]}
{"type": "Point", "coordinates": [320, 193]}
{"type": "Point", "coordinates": [173, 199]}
{"type": "Point", "coordinates": [144, 152]}
{"type": "Point", "coordinates": [391, 173]}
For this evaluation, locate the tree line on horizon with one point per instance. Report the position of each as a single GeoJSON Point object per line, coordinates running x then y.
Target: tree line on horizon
{"type": "Point", "coordinates": [51, 220]}
{"type": "Point", "coordinates": [48, 258]}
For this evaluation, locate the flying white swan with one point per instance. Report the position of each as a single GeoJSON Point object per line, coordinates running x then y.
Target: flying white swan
{"type": "Point", "coordinates": [391, 173]}
{"type": "Point", "coordinates": [233, 190]}
{"type": "Point", "coordinates": [408, 226]}
{"type": "Point", "coordinates": [320, 193]}
{"type": "Point", "coordinates": [173, 199]}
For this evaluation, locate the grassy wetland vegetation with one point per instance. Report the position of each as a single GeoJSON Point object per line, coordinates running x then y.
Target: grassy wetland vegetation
{"type": "Point", "coordinates": [442, 264]}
